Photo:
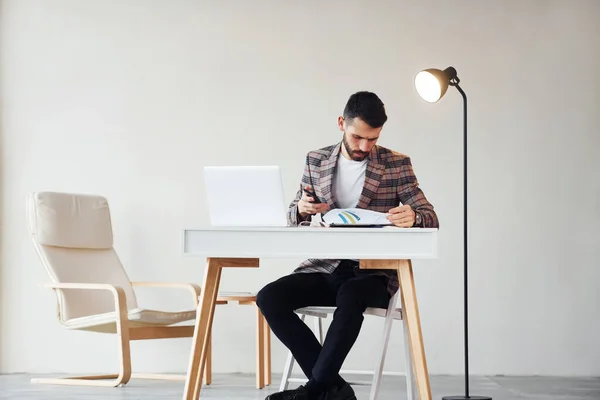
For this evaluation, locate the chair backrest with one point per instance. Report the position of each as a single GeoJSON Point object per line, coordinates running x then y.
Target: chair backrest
{"type": "Point", "coordinates": [73, 236]}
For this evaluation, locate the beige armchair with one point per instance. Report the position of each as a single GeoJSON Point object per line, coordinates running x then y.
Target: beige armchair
{"type": "Point", "coordinates": [73, 236]}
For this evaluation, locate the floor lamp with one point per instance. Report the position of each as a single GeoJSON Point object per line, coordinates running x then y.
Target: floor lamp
{"type": "Point", "coordinates": [431, 84]}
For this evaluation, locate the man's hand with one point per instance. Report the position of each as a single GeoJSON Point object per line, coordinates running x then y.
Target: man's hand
{"type": "Point", "coordinates": [402, 216]}
{"type": "Point", "coordinates": [307, 207]}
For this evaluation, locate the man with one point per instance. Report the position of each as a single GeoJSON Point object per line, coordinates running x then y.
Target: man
{"type": "Point", "coordinates": [353, 173]}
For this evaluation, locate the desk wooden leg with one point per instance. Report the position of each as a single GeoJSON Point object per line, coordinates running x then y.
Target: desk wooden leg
{"type": "Point", "coordinates": [413, 322]}
{"type": "Point", "coordinates": [208, 361]}
{"type": "Point", "coordinates": [205, 313]}
{"type": "Point", "coordinates": [260, 350]}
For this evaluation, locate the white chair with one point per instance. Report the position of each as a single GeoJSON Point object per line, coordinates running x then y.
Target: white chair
{"type": "Point", "coordinates": [72, 234]}
{"type": "Point", "coordinates": [392, 313]}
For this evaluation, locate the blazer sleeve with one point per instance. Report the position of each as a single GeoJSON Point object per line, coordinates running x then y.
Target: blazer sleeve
{"type": "Point", "coordinates": [293, 216]}
{"type": "Point", "coordinates": [410, 193]}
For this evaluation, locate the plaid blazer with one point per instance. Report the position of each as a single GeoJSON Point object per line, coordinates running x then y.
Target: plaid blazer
{"type": "Point", "coordinates": [389, 181]}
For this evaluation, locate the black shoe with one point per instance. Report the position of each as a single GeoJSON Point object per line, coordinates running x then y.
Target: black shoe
{"type": "Point", "coordinates": [295, 394]}
{"type": "Point", "coordinates": [344, 392]}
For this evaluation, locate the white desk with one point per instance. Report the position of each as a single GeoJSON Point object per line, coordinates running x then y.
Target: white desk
{"type": "Point", "coordinates": [376, 248]}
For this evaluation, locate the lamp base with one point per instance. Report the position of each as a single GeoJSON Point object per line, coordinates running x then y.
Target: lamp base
{"type": "Point", "coordinates": [466, 398]}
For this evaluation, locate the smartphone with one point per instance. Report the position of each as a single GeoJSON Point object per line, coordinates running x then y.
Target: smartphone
{"type": "Point", "coordinates": [311, 194]}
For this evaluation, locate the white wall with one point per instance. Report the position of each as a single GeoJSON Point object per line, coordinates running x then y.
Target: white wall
{"type": "Point", "coordinates": [131, 99]}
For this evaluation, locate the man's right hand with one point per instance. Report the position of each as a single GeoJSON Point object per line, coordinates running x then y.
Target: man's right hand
{"type": "Point", "coordinates": [306, 205]}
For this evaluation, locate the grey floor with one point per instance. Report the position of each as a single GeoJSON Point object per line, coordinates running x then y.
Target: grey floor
{"type": "Point", "coordinates": [238, 387]}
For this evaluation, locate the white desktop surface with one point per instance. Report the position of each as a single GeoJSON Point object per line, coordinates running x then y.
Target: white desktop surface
{"type": "Point", "coordinates": [311, 242]}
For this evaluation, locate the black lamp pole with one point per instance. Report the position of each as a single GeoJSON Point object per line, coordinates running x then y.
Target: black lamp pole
{"type": "Point", "coordinates": [432, 85]}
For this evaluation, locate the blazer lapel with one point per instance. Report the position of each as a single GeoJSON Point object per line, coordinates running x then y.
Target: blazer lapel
{"type": "Point", "coordinates": [326, 173]}
{"type": "Point", "coordinates": [373, 175]}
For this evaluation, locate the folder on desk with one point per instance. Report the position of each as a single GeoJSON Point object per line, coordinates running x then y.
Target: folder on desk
{"type": "Point", "coordinates": [355, 217]}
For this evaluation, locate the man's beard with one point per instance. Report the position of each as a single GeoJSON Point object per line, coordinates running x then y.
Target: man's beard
{"type": "Point", "coordinates": [356, 155]}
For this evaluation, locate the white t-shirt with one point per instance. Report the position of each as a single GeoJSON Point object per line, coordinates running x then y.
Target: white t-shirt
{"type": "Point", "coordinates": [348, 181]}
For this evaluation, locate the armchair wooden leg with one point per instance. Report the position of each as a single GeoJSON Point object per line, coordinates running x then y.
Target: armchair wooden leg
{"type": "Point", "coordinates": [260, 350]}
{"type": "Point", "coordinates": [91, 380]}
{"type": "Point", "coordinates": [124, 355]}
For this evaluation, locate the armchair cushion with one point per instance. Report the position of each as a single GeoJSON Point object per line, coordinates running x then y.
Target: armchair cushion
{"type": "Point", "coordinates": [70, 220]}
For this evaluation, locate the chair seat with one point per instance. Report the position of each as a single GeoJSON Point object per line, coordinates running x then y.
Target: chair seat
{"type": "Point", "coordinates": [138, 317]}
{"type": "Point", "coordinates": [223, 297]}
{"type": "Point", "coordinates": [322, 312]}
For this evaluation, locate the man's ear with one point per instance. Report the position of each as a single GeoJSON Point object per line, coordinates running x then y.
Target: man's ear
{"type": "Point", "coordinates": [341, 123]}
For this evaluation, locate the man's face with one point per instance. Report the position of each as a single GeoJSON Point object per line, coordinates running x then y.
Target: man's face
{"type": "Point", "coordinates": [359, 138]}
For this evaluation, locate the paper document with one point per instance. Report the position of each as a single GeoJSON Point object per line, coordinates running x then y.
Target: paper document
{"type": "Point", "coordinates": [355, 216]}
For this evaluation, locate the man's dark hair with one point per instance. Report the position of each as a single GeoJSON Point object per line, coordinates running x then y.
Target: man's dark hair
{"type": "Point", "coordinates": [366, 106]}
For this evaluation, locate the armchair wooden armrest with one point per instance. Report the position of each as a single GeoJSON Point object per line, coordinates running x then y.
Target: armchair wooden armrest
{"type": "Point", "coordinates": [192, 287]}
{"type": "Point", "coordinates": [116, 290]}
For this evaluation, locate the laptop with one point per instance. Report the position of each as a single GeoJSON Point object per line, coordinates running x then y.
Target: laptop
{"type": "Point", "coordinates": [245, 196]}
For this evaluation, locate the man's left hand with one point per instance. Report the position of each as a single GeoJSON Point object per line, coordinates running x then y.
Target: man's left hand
{"type": "Point", "coordinates": [402, 216]}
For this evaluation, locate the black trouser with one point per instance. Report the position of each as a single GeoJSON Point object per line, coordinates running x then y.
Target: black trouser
{"type": "Point", "coordinates": [351, 293]}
